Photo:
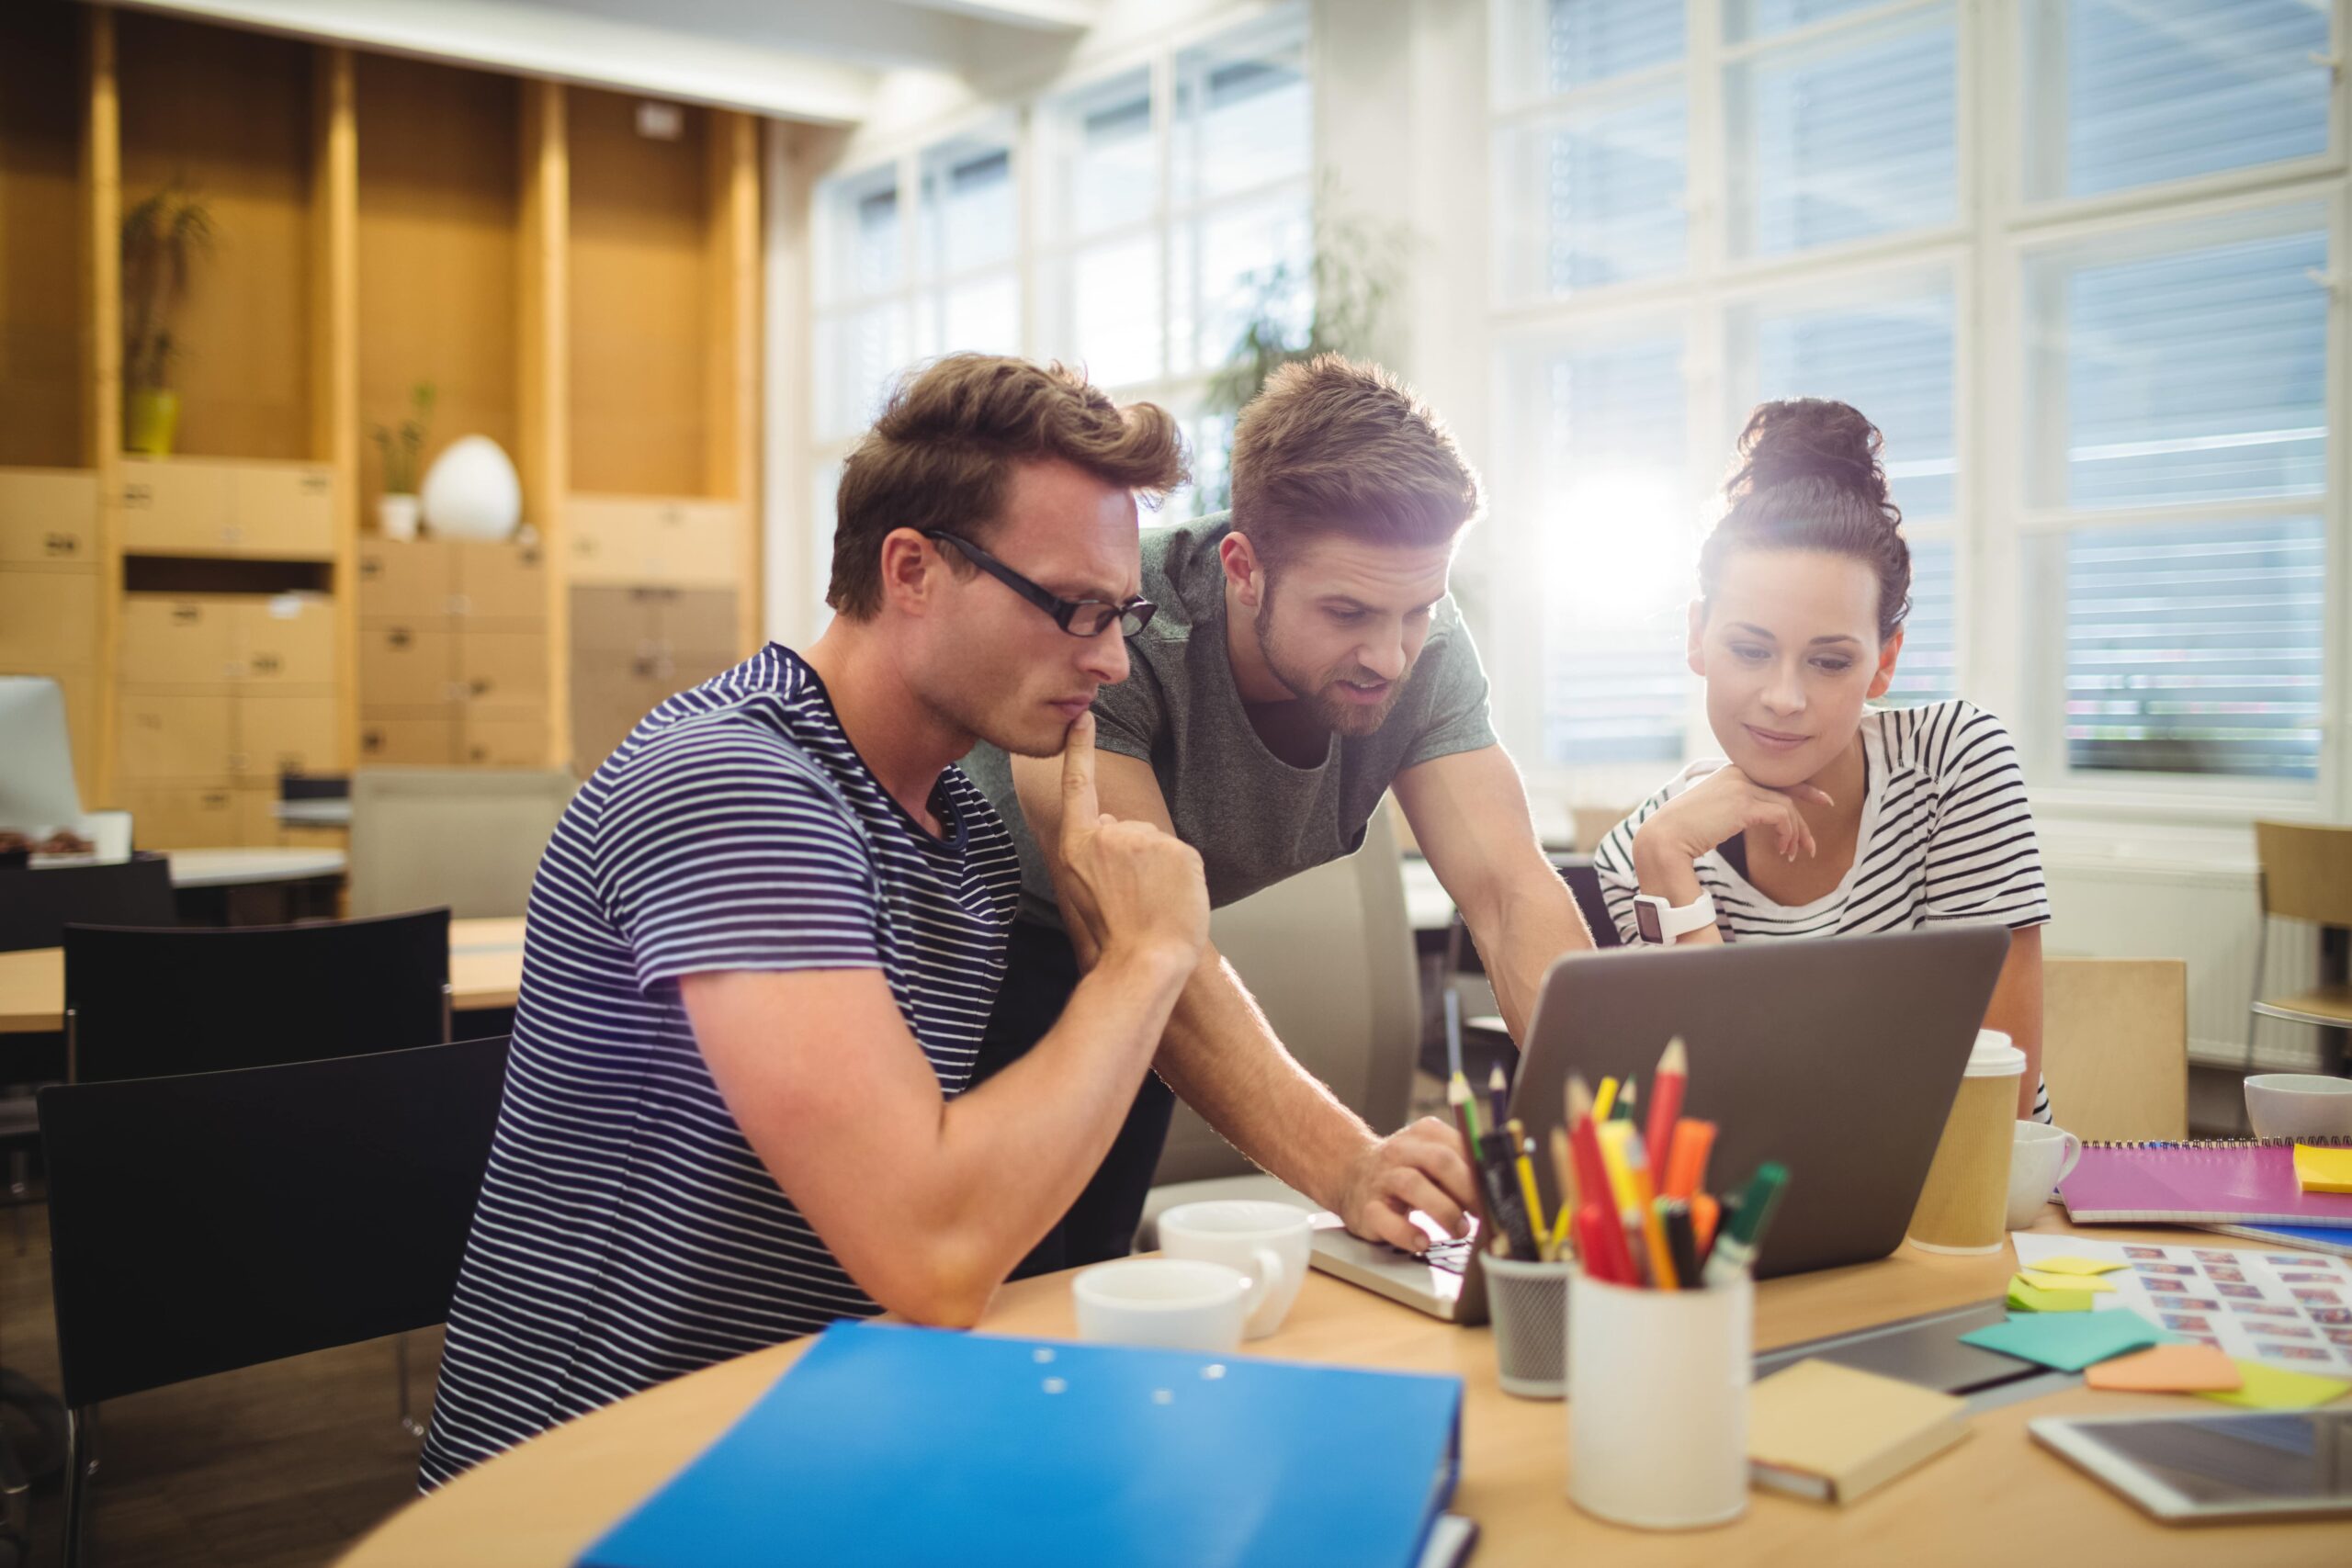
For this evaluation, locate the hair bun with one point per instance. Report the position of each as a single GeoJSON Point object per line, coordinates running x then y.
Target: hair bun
{"type": "Point", "coordinates": [1811, 438]}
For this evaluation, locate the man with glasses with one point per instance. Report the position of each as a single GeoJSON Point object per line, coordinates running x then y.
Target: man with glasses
{"type": "Point", "coordinates": [765, 937]}
{"type": "Point", "coordinates": [1305, 660]}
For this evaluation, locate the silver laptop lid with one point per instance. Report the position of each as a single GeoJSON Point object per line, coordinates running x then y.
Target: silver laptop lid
{"type": "Point", "coordinates": [1837, 1056]}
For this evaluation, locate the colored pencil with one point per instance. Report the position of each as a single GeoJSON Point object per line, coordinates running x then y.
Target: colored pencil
{"type": "Point", "coordinates": [1665, 1105]}
{"type": "Point", "coordinates": [1686, 1173]}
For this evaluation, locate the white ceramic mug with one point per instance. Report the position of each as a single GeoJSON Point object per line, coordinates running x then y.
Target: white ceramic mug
{"type": "Point", "coordinates": [1171, 1303]}
{"type": "Point", "coordinates": [1269, 1242]}
{"type": "Point", "coordinates": [2042, 1158]}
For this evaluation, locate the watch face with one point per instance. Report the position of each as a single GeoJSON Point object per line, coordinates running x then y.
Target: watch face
{"type": "Point", "coordinates": [1645, 920]}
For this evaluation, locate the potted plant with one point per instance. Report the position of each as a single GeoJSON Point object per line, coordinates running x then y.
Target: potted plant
{"type": "Point", "coordinates": [161, 238]}
{"type": "Point", "coordinates": [1336, 304]}
{"type": "Point", "coordinates": [401, 448]}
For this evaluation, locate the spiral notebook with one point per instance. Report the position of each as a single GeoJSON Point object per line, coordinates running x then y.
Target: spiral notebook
{"type": "Point", "coordinates": [2246, 1181]}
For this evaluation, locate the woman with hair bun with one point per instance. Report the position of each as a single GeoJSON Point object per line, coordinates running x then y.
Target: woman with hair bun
{"type": "Point", "coordinates": [1826, 817]}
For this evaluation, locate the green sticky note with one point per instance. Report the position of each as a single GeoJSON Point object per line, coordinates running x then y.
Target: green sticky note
{"type": "Point", "coordinates": [2041, 1280]}
{"type": "Point", "coordinates": [2072, 1266]}
{"type": "Point", "coordinates": [2069, 1340]}
{"type": "Point", "coordinates": [2028, 1297]}
{"type": "Point", "coordinates": [2276, 1388]}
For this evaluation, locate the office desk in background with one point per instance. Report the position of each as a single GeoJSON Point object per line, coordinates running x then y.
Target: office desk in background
{"type": "Point", "coordinates": [1996, 1498]}
{"type": "Point", "coordinates": [485, 972]}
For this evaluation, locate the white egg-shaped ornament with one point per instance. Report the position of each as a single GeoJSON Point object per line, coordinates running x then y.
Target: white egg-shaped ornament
{"type": "Point", "coordinates": [472, 492]}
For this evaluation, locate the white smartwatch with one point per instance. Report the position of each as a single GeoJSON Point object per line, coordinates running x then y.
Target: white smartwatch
{"type": "Point", "coordinates": [1661, 922]}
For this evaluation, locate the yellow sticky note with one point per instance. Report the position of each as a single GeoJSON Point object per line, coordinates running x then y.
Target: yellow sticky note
{"type": "Point", "coordinates": [2073, 1265]}
{"type": "Point", "coordinates": [2322, 1170]}
{"type": "Point", "coordinates": [2275, 1388]}
{"type": "Point", "coordinates": [2028, 1297]}
{"type": "Point", "coordinates": [2090, 1282]}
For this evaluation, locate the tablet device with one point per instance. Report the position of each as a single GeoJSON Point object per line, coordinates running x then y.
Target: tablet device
{"type": "Point", "coordinates": [2293, 1464]}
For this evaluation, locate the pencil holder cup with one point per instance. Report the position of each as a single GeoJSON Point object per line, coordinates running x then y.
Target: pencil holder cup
{"type": "Point", "coordinates": [1657, 1402]}
{"type": "Point", "coordinates": [1528, 1302]}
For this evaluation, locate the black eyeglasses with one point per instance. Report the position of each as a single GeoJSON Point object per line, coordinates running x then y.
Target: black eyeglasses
{"type": "Point", "coordinates": [1079, 617]}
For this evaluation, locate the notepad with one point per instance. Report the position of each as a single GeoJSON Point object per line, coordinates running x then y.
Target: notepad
{"type": "Point", "coordinates": [2168, 1369]}
{"type": "Point", "coordinates": [2043, 1279]}
{"type": "Point", "coordinates": [1831, 1432]}
{"type": "Point", "coordinates": [2276, 1388]}
{"type": "Point", "coordinates": [888, 1444]}
{"type": "Point", "coordinates": [2035, 1298]}
{"type": "Point", "coordinates": [2069, 1341]}
{"type": "Point", "coordinates": [2240, 1182]}
{"type": "Point", "coordinates": [2322, 1169]}
{"type": "Point", "coordinates": [2087, 1266]}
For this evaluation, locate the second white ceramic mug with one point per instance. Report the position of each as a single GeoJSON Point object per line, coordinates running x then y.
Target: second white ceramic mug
{"type": "Point", "coordinates": [2042, 1158]}
{"type": "Point", "coordinates": [1168, 1304]}
{"type": "Point", "coordinates": [1269, 1242]}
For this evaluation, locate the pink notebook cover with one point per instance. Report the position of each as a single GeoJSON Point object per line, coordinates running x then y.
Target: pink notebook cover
{"type": "Point", "coordinates": [2213, 1183]}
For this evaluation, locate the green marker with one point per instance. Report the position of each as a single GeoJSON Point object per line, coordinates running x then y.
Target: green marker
{"type": "Point", "coordinates": [1734, 1250]}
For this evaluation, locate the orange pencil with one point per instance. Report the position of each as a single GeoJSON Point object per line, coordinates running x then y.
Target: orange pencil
{"type": "Point", "coordinates": [1666, 1104]}
{"type": "Point", "coordinates": [1693, 1142]}
{"type": "Point", "coordinates": [1704, 1213]}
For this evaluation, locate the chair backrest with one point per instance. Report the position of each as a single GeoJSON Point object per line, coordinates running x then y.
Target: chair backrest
{"type": "Point", "coordinates": [2115, 1047]}
{"type": "Point", "coordinates": [143, 1003]}
{"type": "Point", "coordinates": [469, 838]}
{"type": "Point", "coordinates": [37, 904]}
{"type": "Point", "coordinates": [1328, 955]}
{"type": "Point", "coordinates": [342, 1190]}
{"type": "Point", "coordinates": [2306, 871]}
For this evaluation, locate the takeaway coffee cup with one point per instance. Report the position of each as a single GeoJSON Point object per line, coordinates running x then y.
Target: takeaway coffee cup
{"type": "Point", "coordinates": [1967, 1195]}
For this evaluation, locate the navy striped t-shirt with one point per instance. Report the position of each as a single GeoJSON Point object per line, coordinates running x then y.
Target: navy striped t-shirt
{"type": "Point", "coordinates": [627, 1232]}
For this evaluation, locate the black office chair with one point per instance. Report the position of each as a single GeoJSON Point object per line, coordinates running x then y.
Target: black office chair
{"type": "Point", "coordinates": [36, 905]}
{"type": "Point", "coordinates": [350, 1182]}
{"type": "Point", "coordinates": [144, 1003]}
{"type": "Point", "coordinates": [1486, 1048]}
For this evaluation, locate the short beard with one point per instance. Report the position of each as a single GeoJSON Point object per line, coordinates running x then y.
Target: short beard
{"type": "Point", "coordinates": [1334, 712]}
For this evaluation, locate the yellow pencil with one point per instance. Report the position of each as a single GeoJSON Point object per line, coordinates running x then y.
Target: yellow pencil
{"type": "Point", "coordinates": [1603, 1099]}
{"type": "Point", "coordinates": [1528, 1191]}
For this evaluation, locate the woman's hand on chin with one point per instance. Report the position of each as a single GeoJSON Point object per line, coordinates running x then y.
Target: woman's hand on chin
{"type": "Point", "coordinates": [1724, 803]}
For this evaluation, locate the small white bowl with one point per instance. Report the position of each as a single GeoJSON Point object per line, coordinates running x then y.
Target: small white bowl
{"type": "Point", "coordinates": [2299, 1105]}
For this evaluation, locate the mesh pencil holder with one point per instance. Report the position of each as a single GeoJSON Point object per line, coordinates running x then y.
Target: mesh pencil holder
{"type": "Point", "coordinates": [1528, 1302]}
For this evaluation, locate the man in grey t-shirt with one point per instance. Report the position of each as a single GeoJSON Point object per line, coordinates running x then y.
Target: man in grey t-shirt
{"type": "Point", "coordinates": [1303, 660]}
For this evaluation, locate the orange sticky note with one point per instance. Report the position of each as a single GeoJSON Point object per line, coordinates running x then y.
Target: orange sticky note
{"type": "Point", "coordinates": [2168, 1369]}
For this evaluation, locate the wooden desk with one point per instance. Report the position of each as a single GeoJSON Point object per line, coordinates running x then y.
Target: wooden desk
{"type": "Point", "coordinates": [485, 971]}
{"type": "Point", "coordinates": [548, 1500]}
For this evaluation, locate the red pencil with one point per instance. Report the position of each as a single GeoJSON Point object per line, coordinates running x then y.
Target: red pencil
{"type": "Point", "coordinates": [1665, 1105]}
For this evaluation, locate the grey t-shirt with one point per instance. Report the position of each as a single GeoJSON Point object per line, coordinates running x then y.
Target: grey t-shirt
{"type": "Point", "coordinates": [1254, 818]}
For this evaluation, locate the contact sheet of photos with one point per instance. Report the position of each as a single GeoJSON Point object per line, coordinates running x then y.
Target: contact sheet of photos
{"type": "Point", "coordinates": [2286, 1309]}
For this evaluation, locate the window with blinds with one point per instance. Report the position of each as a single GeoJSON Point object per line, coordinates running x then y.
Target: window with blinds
{"type": "Point", "coordinates": [2148, 91]}
{"type": "Point", "coordinates": [1618, 553]}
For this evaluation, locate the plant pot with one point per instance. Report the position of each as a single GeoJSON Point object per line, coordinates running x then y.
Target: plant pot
{"type": "Point", "coordinates": [396, 516]}
{"type": "Point", "coordinates": [150, 421]}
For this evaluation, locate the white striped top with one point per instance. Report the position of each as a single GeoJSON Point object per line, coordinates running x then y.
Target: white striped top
{"type": "Point", "coordinates": [1946, 837]}
{"type": "Point", "coordinates": [626, 1233]}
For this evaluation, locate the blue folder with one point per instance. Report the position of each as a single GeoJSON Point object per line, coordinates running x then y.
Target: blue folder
{"type": "Point", "coordinates": [888, 1445]}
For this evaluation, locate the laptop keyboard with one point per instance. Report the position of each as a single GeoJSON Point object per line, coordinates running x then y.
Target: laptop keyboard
{"type": "Point", "coordinates": [1451, 1256]}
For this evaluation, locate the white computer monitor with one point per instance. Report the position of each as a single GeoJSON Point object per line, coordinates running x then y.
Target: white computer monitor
{"type": "Point", "coordinates": [37, 789]}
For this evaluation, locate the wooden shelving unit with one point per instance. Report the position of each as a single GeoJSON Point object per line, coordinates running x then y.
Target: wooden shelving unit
{"type": "Point", "coordinates": [584, 294]}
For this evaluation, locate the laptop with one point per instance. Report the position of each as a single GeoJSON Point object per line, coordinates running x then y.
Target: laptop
{"type": "Point", "coordinates": [1838, 1058]}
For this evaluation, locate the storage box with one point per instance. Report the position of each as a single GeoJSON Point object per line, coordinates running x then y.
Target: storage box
{"type": "Point", "coordinates": [202, 506]}
{"type": "Point", "coordinates": [49, 517]}
{"type": "Point", "coordinates": [502, 669]}
{"type": "Point", "coordinates": [48, 618]}
{"type": "Point", "coordinates": [696, 628]}
{"type": "Point", "coordinates": [286, 640]}
{"type": "Point", "coordinates": [414, 581]}
{"type": "Point", "coordinates": [183, 816]}
{"type": "Point", "coordinates": [179, 639]}
{"type": "Point", "coordinates": [501, 582]}
{"type": "Point", "coordinates": [276, 734]}
{"type": "Point", "coordinates": [407, 739]}
{"type": "Point", "coordinates": [406, 664]}
{"type": "Point", "coordinates": [175, 736]}
{"type": "Point", "coordinates": [514, 740]}
{"type": "Point", "coordinates": [678, 542]}
{"type": "Point", "coordinates": [614, 623]}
